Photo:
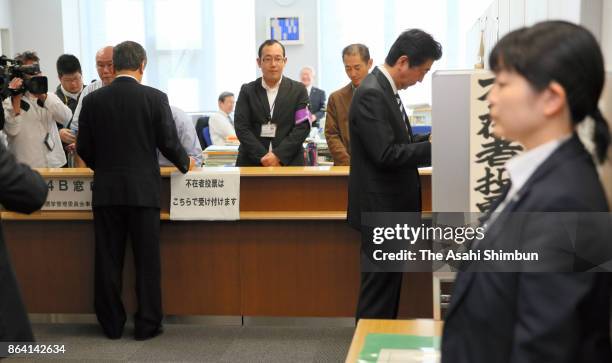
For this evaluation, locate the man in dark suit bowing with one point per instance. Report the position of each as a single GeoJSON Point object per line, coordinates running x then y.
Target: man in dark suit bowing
{"type": "Point", "coordinates": [21, 190]}
{"type": "Point", "coordinates": [272, 118]}
{"type": "Point", "coordinates": [120, 128]}
{"type": "Point", "coordinates": [316, 95]}
{"type": "Point", "coordinates": [385, 156]}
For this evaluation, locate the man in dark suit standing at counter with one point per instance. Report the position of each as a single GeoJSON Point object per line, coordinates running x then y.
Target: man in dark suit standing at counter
{"type": "Point", "coordinates": [385, 156]}
{"type": "Point", "coordinates": [21, 190]}
{"type": "Point", "coordinates": [120, 128]}
{"type": "Point", "coordinates": [272, 117]}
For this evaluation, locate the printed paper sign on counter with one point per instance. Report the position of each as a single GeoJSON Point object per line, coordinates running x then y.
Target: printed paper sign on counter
{"type": "Point", "coordinates": [208, 194]}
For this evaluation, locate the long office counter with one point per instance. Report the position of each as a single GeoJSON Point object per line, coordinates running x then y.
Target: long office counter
{"type": "Point", "coordinates": [291, 254]}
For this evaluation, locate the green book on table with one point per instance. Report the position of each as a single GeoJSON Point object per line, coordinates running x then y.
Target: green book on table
{"type": "Point", "coordinates": [399, 347]}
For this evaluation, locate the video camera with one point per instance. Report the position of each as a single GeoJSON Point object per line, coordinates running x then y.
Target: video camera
{"type": "Point", "coordinates": [11, 68]}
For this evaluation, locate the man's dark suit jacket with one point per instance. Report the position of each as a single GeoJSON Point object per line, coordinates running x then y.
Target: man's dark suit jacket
{"type": "Point", "coordinates": [385, 155]}
{"type": "Point", "coordinates": [21, 190]}
{"type": "Point", "coordinates": [317, 103]}
{"type": "Point", "coordinates": [121, 126]}
{"type": "Point", "coordinates": [536, 317]}
{"type": "Point", "coordinates": [253, 110]}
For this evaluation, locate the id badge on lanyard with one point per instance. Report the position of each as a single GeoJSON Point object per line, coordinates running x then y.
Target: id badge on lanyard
{"type": "Point", "coordinates": [268, 130]}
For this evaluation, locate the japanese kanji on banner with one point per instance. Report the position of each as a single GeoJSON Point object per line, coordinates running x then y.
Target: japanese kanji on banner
{"type": "Point", "coordinates": [207, 194]}
{"type": "Point", "coordinates": [69, 193]}
{"type": "Point", "coordinates": [488, 154]}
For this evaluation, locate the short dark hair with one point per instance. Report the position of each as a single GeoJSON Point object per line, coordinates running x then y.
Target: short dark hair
{"type": "Point", "coordinates": [27, 56]}
{"type": "Point", "coordinates": [268, 43]}
{"type": "Point", "coordinates": [418, 45]}
{"type": "Point", "coordinates": [562, 52]}
{"type": "Point", "coordinates": [225, 95]}
{"type": "Point", "coordinates": [67, 64]}
{"type": "Point", "coordinates": [128, 55]}
{"type": "Point", "coordinates": [362, 50]}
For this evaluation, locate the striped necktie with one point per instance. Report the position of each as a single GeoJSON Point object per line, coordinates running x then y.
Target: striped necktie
{"type": "Point", "coordinates": [404, 116]}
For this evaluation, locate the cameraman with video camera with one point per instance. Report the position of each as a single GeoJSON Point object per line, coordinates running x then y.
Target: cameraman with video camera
{"type": "Point", "coordinates": [31, 114]}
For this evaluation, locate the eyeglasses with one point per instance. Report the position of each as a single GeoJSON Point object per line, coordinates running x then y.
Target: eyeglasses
{"type": "Point", "coordinates": [76, 78]}
{"type": "Point", "coordinates": [270, 60]}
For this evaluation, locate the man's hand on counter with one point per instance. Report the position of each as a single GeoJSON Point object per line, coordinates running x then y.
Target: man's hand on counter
{"type": "Point", "coordinates": [270, 160]}
{"type": "Point", "coordinates": [192, 163]}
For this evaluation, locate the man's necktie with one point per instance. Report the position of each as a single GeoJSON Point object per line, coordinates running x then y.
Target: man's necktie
{"type": "Point", "coordinates": [404, 115]}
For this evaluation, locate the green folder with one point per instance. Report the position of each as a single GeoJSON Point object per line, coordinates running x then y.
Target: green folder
{"type": "Point", "coordinates": [374, 343]}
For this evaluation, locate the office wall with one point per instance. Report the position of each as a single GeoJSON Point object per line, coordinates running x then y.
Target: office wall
{"type": "Point", "coordinates": [37, 25]}
{"type": "Point", "coordinates": [5, 14]}
{"type": "Point", "coordinates": [5, 27]}
{"type": "Point", "coordinates": [298, 55]}
{"type": "Point", "coordinates": [5, 8]}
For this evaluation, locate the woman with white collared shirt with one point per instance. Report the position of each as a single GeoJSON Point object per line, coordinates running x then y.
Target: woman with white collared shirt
{"type": "Point", "coordinates": [549, 78]}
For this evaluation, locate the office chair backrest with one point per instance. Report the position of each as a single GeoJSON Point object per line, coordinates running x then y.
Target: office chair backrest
{"type": "Point", "coordinates": [200, 125]}
{"type": "Point", "coordinates": [206, 135]}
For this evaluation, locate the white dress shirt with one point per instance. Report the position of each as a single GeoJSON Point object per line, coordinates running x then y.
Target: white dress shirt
{"type": "Point", "coordinates": [74, 125]}
{"type": "Point", "coordinates": [389, 78]}
{"type": "Point", "coordinates": [521, 167]}
{"type": "Point", "coordinates": [220, 128]}
{"type": "Point", "coordinates": [271, 92]}
{"type": "Point", "coordinates": [187, 135]}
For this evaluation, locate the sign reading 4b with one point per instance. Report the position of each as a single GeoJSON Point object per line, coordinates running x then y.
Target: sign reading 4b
{"type": "Point", "coordinates": [69, 194]}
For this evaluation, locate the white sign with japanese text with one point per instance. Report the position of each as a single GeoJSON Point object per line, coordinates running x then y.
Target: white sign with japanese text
{"type": "Point", "coordinates": [207, 194]}
{"type": "Point", "coordinates": [69, 193]}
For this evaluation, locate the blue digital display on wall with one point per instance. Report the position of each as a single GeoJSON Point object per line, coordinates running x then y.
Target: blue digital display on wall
{"type": "Point", "coordinates": [286, 29]}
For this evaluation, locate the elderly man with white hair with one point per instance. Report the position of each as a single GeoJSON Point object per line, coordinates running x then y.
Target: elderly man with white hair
{"type": "Point", "coordinates": [106, 72]}
{"type": "Point", "coordinates": [316, 95]}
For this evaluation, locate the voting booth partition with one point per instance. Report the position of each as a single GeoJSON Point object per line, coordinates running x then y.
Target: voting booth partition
{"type": "Point", "coordinates": [468, 159]}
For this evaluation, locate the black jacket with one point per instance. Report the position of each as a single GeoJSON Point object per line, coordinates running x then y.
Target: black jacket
{"type": "Point", "coordinates": [537, 317]}
{"type": "Point", "coordinates": [385, 155]}
{"type": "Point", "coordinates": [21, 190]}
{"type": "Point", "coordinates": [121, 126]}
{"type": "Point", "coordinates": [317, 103]}
{"type": "Point", "coordinates": [253, 110]}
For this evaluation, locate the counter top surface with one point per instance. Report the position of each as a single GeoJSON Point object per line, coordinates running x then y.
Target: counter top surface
{"type": "Point", "coordinates": [245, 171]}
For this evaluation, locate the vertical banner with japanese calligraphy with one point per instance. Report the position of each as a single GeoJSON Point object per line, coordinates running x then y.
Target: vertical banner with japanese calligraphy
{"type": "Point", "coordinates": [488, 154]}
{"type": "Point", "coordinates": [69, 193]}
{"type": "Point", "coordinates": [208, 194]}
